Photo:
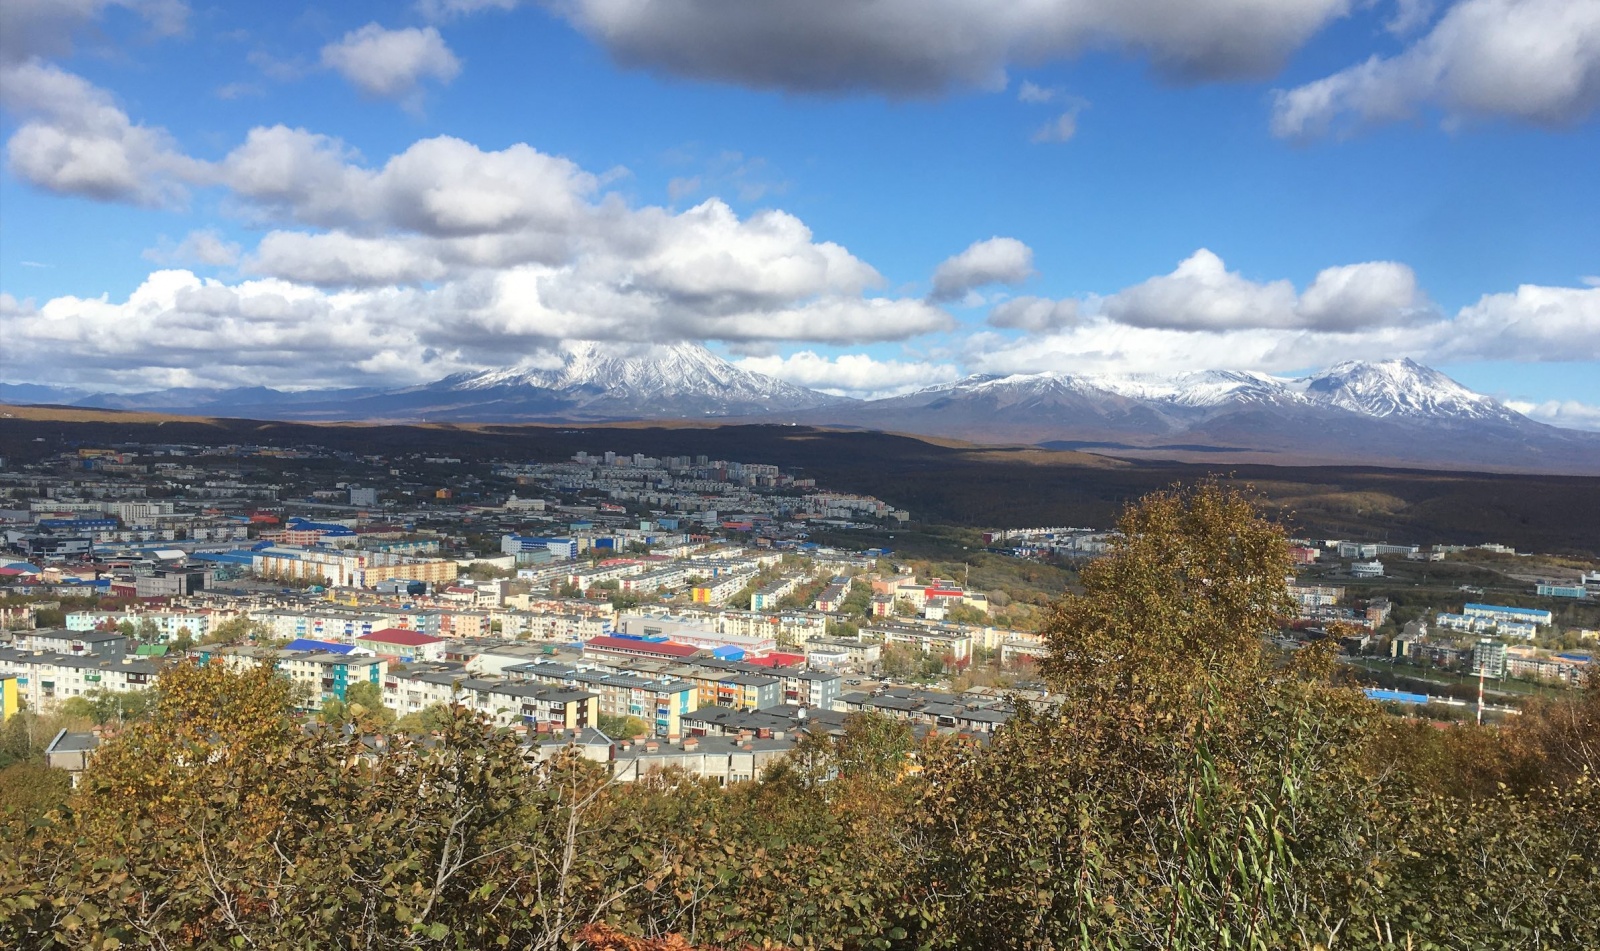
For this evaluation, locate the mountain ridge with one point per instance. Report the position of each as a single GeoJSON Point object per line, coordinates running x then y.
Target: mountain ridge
{"type": "Point", "coordinates": [1394, 411]}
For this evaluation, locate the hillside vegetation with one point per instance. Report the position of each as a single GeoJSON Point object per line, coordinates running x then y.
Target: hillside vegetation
{"type": "Point", "coordinates": [937, 480]}
{"type": "Point", "coordinates": [1187, 791]}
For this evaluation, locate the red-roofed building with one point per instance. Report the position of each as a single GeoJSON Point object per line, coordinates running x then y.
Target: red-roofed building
{"type": "Point", "coordinates": [628, 647]}
{"type": "Point", "coordinates": [407, 645]}
{"type": "Point", "coordinates": [777, 659]}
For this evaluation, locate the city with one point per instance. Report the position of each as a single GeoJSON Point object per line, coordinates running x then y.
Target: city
{"type": "Point", "coordinates": [714, 475]}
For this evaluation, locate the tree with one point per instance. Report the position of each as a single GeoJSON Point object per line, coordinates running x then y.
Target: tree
{"type": "Point", "coordinates": [364, 701]}
{"type": "Point", "coordinates": [899, 661]}
{"type": "Point", "coordinates": [623, 728]}
{"type": "Point", "coordinates": [1220, 795]}
{"type": "Point", "coordinates": [235, 630]}
{"type": "Point", "coordinates": [1193, 582]}
{"type": "Point", "coordinates": [28, 790]}
{"type": "Point", "coordinates": [430, 719]}
{"type": "Point", "coordinates": [184, 642]}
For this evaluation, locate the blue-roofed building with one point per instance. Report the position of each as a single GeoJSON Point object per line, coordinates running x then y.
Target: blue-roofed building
{"type": "Point", "coordinates": [562, 548]}
{"type": "Point", "coordinates": [307, 644]}
{"type": "Point", "coordinates": [239, 557]}
{"type": "Point", "coordinates": [1499, 613]}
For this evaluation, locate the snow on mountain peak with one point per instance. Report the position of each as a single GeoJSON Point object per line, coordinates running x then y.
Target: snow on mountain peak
{"type": "Point", "coordinates": [1401, 388]}
{"type": "Point", "coordinates": [655, 379]}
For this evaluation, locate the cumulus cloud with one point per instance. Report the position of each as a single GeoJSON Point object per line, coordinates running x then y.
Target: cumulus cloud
{"type": "Point", "coordinates": [1536, 61]}
{"type": "Point", "coordinates": [1034, 314]}
{"type": "Point", "coordinates": [1202, 316]}
{"type": "Point", "coordinates": [74, 140]}
{"type": "Point", "coordinates": [1569, 414]}
{"type": "Point", "coordinates": [1202, 294]}
{"type": "Point", "coordinates": [1532, 322]}
{"type": "Point", "coordinates": [913, 48]}
{"type": "Point", "coordinates": [994, 261]}
{"type": "Point", "coordinates": [179, 327]}
{"type": "Point", "coordinates": [390, 64]}
{"type": "Point", "coordinates": [44, 28]}
{"type": "Point", "coordinates": [856, 375]}
{"type": "Point", "coordinates": [205, 246]}
{"type": "Point", "coordinates": [441, 186]}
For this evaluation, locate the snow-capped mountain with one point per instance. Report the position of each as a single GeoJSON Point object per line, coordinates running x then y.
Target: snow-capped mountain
{"type": "Point", "coordinates": [1391, 413]}
{"type": "Point", "coordinates": [1402, 388]}
{"type": "Point", "coordinates": [1392, 388]}
{"type": "Point", "coordinates": [667, 380]}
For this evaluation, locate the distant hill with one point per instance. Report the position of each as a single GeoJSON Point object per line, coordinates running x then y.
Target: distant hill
{"type": "Point", "coordinates": [1395, 412]}
{"type": "Point", "coordinates": [936, 479]}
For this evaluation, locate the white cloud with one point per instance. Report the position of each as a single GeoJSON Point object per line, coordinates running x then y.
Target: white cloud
{"type": "Point", "coordinates": [179, 327]}
{"type": "Point", "coordinates": [447, 9]}
{"type": "Point", "coordinates": [993, 261]}
{"type": "Point", "coordinates": [343, 260]}
{"type": "Point", "coordinates": [1060, 129]}
{"type": "Point", "coordinates": [1352, 296]}
{"type": "Point", "coordinates": [74, 140]}
{"type": "Point", "coordinates": [1202, 316]}
{"type": "Point", "coordinates": [205, 246]}
{"type": "Point", "coordinates": [44, 28]}
{"type": "Point", "coordinates": [1034, 314]}
{"type": "Point", "coordinates": [681, 188]}
{"type": "Point", "coordinates": [852, 374]}
{"type": "Point", "coordinates": [1570, 414]}
{"type": "Point", "coordinates": [1202, 294]}
{"type": "Point", "coordinates": [391, 64]}
{"type": "Point", "coordinates": [1532, 60]}
{"type": "Point", "coordinates": [916, 48]}
{"type": "Point", "coordinates": [1532, 323]}
{"type": "Point", "coordinates": [1032, 92]}
{"type": "Point", "coordinates": [232, 91]}
{"type": "Point", "coordinates": [441, 186]}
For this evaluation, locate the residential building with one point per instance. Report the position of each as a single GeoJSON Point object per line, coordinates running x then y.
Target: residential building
{"type": "Point", "coordinates": [10, 696]}
{"type": "Point", "coordinates": [1489, 658]}
{"type": "Point", "coordinates": [409, 646]}
{"type": "Point", "coordinates": [70, 753]}
{"type": "Point", "coordinates": [769, 596]}
{"type": "Point", "coordinates": [43, 678]}
{"type": "Point", "coordinates": [1497, 613]}
{"type": "Point", "coordinates": [101, 644]}
{"type": "Point", "coordinates": [330, 676]}
{"type": "Point", "coordinates": [827, 653]}
{"type": "Point", "coordinates": [662, 703]}
{"type": "Point", "coordinates": [954, 646]}
{"type": "Point", "coordinates": [626, 647]}
{"type": "Point", "coordinates": [1316, 596]}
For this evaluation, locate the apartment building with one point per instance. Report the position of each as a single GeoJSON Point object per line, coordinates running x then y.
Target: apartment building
{"type": "Point", "coordinates": [44, 678]}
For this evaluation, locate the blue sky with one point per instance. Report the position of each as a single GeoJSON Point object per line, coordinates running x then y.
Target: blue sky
{"type": "Point", "coordinates": [862, 197]}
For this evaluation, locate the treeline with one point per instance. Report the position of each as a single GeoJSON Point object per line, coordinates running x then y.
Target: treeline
{"type": "Point", "coordinates": [1190, 791]}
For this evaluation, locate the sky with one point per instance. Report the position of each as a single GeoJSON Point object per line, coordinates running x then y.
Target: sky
{"type": "Point", "coordinates": [861, 196]}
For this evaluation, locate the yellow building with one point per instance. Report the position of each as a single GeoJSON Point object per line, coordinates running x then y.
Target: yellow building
{"type": "Point", "coordinates": [10, 697]}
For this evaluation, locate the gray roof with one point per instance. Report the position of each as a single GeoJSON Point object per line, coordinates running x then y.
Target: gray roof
{"type": "Point", "coordinates": [66, 742]}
